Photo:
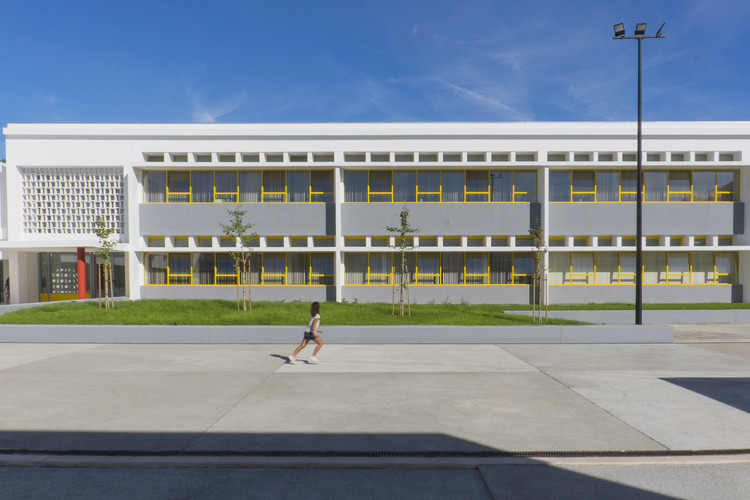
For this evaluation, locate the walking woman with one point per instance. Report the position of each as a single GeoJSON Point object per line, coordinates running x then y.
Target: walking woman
{"type": "Point", "coordinates": [313, 328]}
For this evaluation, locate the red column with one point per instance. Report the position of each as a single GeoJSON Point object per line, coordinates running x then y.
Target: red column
{"type": "Point", "coordinates": [81, 268]}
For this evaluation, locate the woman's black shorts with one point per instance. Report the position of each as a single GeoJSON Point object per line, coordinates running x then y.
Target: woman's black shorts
{"type": "Point", "coordinates": [310, 336]}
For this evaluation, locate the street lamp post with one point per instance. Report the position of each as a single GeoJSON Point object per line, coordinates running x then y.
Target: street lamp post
{"type": "Point", "coordinates": [640, 35]}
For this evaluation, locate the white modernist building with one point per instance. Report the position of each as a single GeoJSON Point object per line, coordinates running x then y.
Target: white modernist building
{"type": "Point", "coordinates": [321, 196]}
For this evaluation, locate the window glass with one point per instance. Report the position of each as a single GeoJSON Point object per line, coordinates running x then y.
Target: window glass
{"type": "Point", "coordinates": [355, 187]}
{"type": "Point", "coordinates": [299, 186]}
{"type": "Point", "coordinates": [355, 266]}
{"type": "Point", "coordinates": [274, 269]}
{"type": "Point", "coordinates": [628, 185]}
{"type": "Point", "coordinates": [226, 273]}
{"type": "Point", "coordinates": [678, 267]}
{"type": "Point", "coordinates": [321, 269]}
{"type": "Point", "coordinates": [380, 186]}
{"type": "Point", "coordinates": [525, 186]}
{"type": "Point", "coordinates": [608, 186]}
{"type": "Point", "coordinates": [380, 268]}
{"type": "Point", "coordinates": [477, 186]}
{"type": "Point", "coordinates": [156, 269]}
{"type": "Point", "coordinates": [179, 269]}
{"type": "Point", "coordinates": [726, 185]}
{"type": "Point", "coordinates": [178, 184]}
{"type": "Point", "coordinates": [501, 185]}
{"type": "Point", "coordinates": [704, 185]}
{"type": "Point", "coordinates": [476, 269]}
{"type": "Point", "coordinates": [428, 269]}
{"type": "Point", "coordinates": [405, 186]}
{"type": "Point", "coordinates": [203, 269]}
{"type": "Point", "coordinates": [321, 187]}
{"type": "Point", "coordinates": [679, 185]}
{"type": "Point", "coordinates": [523, 268]}
{"type": "Point", "coordinates": [654, 268]}
{"type": "Point", "coordinates": [428, 183]}
{"type": "Point", "coordinates": [703, 268]}
{"type": "Point", "coordinates": [655, 184]}
{"type": "Point", "coordinates": [155, 184]}
{"type": "Point", "coordinates": [274, 188]}
{"type": "Point", "coordinates": [501, 268]}
{"type": "Point", "coordinates": [582, 185]}
{"type": "Point", "coordinates": [627, 268]}
{"type": "Point", "coordinates": [453, 268]}
{"type": "Point", "coordinates": [226, 187]}
{"type": "Point", "coordinates": [250, 187]}
{"type": "Point", "coordinates": [453, 186]}
{"type": "Point", "coordinates": [582, 264]}
{"type": "Point", "coordinates": [606, 268]}
{"type": "Point", "coordinates": [299, 265]}
{"type": "Point", "coordinates": [559, 185]}
{"type": "Point", "coordinates": [559, 269]}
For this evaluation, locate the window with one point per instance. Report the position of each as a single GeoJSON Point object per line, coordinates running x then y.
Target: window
{"type": "Point", "coordinates": [428, 157]}
{"type": "Point", "coordinates": [655, 185]}
{"type": "Point", "coordinates": [557, 241]}
{"type": "Point", "coordinates": [227, 242]}
{"type": "Point", "coordinates": [628, 185]}
{"type": "Point", "coordinates": [524, 241]}
{"type": "Point", "coordinates": [203, 269]}
{"type": "Point", "coordinates": [323, 241]}
{"type": "Point", "coordinates": [501, 185]}
{"type": "Point", "coordinates": [155, 157]}
{"type": "Point", "coordinates": [475, 241]}
{"type": "Point", "coordinates": [725, 266]}
{"type": "Point", "coordinates": [557, 157]}
{"type": "Point", "coordinates": [405, 157]}
{"type": "Point", "coordinates": [477, 186]}
{"type": "Point", "coordinates": [523, 268]}
{"type": "Point", "coordinates": [323, 157]}
{"type": "Point", "coordinates": [726, 156]}
{"type": "Point", "coordinates": [477, 270]}
{"type": "Point", "coordinates": [580, 241]}
{"type": "Point", "coordinates": [205, 241]}
{"type": "Point", "coordinates": [499, 241]}
{"type": "Point", "coordinates": [679, 186]}
{"type": "Point", "coordinates": [582, 268]}
{"type": "Point", "coordinates": [298, 157]}
{"type": "Point", "coordinates": [379, 269]}
{"type": "Point", "coordinates": [273, 271]}
{"type": "Point", "coordinates": [354, 157]}
{"type": "Point", "coordinates": [608, 186]}
{"type": "Point", "coordinates": [298, 241]}
{"type": "Point", "coordinates": [678, 268]}
{"type": "Point", "coordinates": [427, 241]}
{"type": "Point", "coordinates": [355, 186]}
{"type": "Point", "coordinates": [727, 187]}
{"type": "Point", "coordinates": [405, 186]}
{"type": "Point", "coordinates": [179, 157]}
{"type": "Point", "coordinates": [703, 156]}
{"type": "Point", "coordinates": [227, 158]}
{"type": "Point", "coordinates": [677, 157]}
{"type": "Point", "coordinates": [275, 241]}
{"type": "Point", "coordinates": [451, 241]}
{"type": "Point", "coordinates": [251, 157]}
{"type": "Point", "coordinates": [428, 186]}
{"type": "Point", "coordinates": [178, 187]}
{"type": "Point", "coordinates": [380, 157]}
{"type": "Point", "coordinates": [606, 157]}
{"type": "Point", "coordinates": [298, 186]}
{"type": "Point", "coordinates": [156, 241]}
{"type": "Point", "coordinates": [251, 187]}
{"type": "Point", "coordinates": [156, 269]}
{"type": "Point", "coordinates": [321, 186]}
{"type": "Point", "coordinates": [274, 157]}
{"type": "Point", "coordinates": [180, 242]}
{"type": "Point", "coordinates": [500, 157]}
{"type": "Point", "coordinates": [725, 241]}
{"type": "Point", "coordinates": [453, 186]}
{"type": "Point", "coordinates": [202, 158]}
{"type": "Point", "coordinates": [274, 186]}
{"type": "Point", "coordinates": [629, 157]}
{"type": "Point", "coordinates": [380, 188]}
{"type": "Point", "coordinates": [226, 187]}
{"type": "Point", "coordinates": [652, 241]}
{"type": "Point", "coordinates": [380, 242]}
{"type": "Point", "coordinates": [226, 270]}
{"type": "Point", "coordinates": [452, 157]}
{"type": "Point", "coordinates": [321, 269]}
{"type": "Point", "coordinates": [653, 157]}
{"type": "Point", "coordinates": [525, 156]}
{"type": "Point", "coordinates": [428, 269]}
{"type": "Point", "coordinates": [582, 157]}
{"type": "Point", "coordinates": [559, 185]}
{"type": "Point", "coordinates": [675, 241]}
{"type": "Point", "coordinates": [583, 187]}
{"type": "Point", "coordinates": [180, 269]}
{"type": "Point", "coordinates": [476, 157]}
{"type": "Point", "coordinates": [355, 241]}
{"type": "Point", "coordinates": [699, 241]}
{"type": "Point", "coordinates": [524, 186]}
{"type": "Point", "coordinates": [628, 241]}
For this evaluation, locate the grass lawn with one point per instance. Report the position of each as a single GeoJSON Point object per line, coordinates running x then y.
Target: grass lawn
{"type": "Point", "coordinates": [224, 312]}
{"type": "Point", "coordinates": [615, 306]}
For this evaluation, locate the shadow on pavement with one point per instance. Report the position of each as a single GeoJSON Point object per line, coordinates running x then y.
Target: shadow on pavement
{"type": "Point", "coordinates": [449, 476]}
{"type": "Point", "coordinates": [730, 391]}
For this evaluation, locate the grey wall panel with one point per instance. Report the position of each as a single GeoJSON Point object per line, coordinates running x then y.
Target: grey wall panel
{"type": "Point", "coordinates": [282, 219]}
{"type": "Point", "coordinates": [442, 294]}
{"type": "Point", "coordinates": [274, 293]}
{"type": "Point", "coordinates": [658, 218]}
{"type": "Point", "coordinates": [440, 219]}
{"type": "Point", "coordinates": [577, 294]}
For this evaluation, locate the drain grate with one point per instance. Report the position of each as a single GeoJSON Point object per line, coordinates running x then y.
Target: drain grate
{"type": "Point", "coordinates": [374, 454]}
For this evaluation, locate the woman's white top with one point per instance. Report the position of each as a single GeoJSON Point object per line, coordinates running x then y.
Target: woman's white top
{"type": "Point", "coordinates": [312, 321]}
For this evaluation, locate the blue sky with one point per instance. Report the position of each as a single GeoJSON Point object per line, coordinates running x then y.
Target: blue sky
{"type": "Point", "coordinates": [380, 60]}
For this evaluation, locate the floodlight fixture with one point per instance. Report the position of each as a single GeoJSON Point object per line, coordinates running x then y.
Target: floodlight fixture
{"type": "Point", "coordinates": [619, 30]}
{"type": "Point", "coordinates": [640, 29]}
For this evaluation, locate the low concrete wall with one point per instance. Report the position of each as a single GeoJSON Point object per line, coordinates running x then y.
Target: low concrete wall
{"type": "Point", "coordinates": [652, 317]}
{"type": "Point", "coordinates": [588, 334]}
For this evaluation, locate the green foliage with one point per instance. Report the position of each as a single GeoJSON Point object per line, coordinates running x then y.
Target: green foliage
{"type": "Point", "coordinates": [222, 312]}
{"type": "Point", "coordinates": [239, 230]}
{"type": "Point", "coordinates": [105, 244]}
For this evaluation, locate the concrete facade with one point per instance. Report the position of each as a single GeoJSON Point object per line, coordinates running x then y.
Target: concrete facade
{"type": "Point", "coordinates": [328, 239]}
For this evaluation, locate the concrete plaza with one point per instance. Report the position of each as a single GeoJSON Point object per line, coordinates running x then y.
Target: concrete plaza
{"type": "Point", "coordinates": [379, 421]}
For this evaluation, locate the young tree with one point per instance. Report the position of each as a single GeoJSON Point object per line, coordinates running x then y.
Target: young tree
{"type": "Point", "coordinates": [403, 245]}
{"type": "Point", "coordinates": [238, 229]}
{"type": "Point", "coordinates": [105, 250]}
{"type": "Point", "coordinates": [537, 232]}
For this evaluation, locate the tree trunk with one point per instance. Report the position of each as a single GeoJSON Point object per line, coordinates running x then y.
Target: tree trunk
{"type": "Point", "coordinates": [99, 283]}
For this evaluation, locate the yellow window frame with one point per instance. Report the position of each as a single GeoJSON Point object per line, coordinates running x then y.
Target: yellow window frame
{"type": "Point", "coordinates": [317, 193]}
{"type": "Point", "coordinates": [437, 276]}
{"type": "Point", "coordinates": [170, 274]}
{"type": "Point", "coordinates": [388, 276]}
{"type": "Point", "coordinates": [264, 275]}
{"type": "Point", "coordinates": [485, 275]}
{"type": "Point", "coordinates": [316, 276]}
{"type": "Point", "coordinates": [681, 276]}
{"type": "Point", "coordinates": [439, 192]}
{"type": "Point", "coordinates": [156, 239]}
{"type": "Point", "coordinates": [736, 183]}
{"type": "Point", "coordinates": [201, 239]}
{"type": "Point", "coordinates": [592, 274]}
{"type": "Point", "coordinates": [264, 193]}
{"type": "Point", "coordinates": [235, 193]}
{"type": "Point", "coordinates": [388, 194]}
{"type": "Point", "coordinates": [573, 192]}
{"type": "Point", "coordinates": [517, 193]}
{"type": "Point", "coordinates": [218, 275]}
{"type": "Point", "coordinates": [690, 192]}
{"type": "Point", "coordinates": [485, 193]}
{"type": "Point", "coordinates": [188, 193]}
{"type": "Point", "coordinates": [620, 273]}
{"type": "Point", "coordinates": [717, 274]}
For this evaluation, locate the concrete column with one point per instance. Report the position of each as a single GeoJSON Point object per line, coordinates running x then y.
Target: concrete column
{"type": "Point", "coordinates": [81, 270]}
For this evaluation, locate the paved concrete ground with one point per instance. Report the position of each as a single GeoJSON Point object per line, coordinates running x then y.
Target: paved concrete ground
{"type": "Point", "coordinates": [462, 400]}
